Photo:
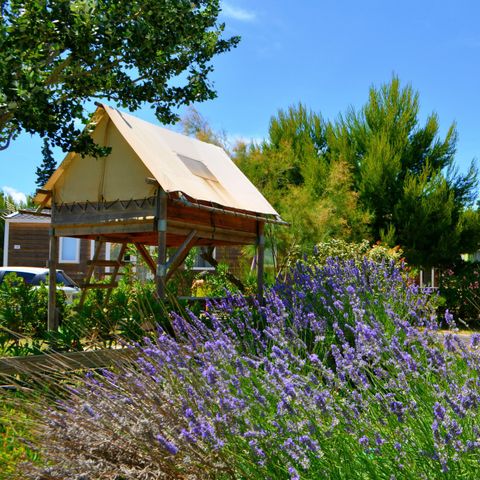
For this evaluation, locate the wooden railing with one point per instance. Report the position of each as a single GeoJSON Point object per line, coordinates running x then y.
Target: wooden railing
{"type": "Point", "coordinates": [63, 362]}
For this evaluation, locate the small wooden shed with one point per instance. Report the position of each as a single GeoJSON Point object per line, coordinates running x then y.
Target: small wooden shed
{"type": "Point", "coordinates": [26, 244]}
{"type": "Point", "coordinates": [156, 187]}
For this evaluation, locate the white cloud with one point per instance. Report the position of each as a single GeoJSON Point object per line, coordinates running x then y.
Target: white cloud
{"type": "Point", "coordinates": [18, 197]}
{"type": "Point", "coordinates": [238, 13]}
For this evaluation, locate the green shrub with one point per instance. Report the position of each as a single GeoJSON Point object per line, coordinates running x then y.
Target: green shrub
{"type": "Point", "coordinates": [459, 286]}
{"type": "Point", "coordinates": [23, 315]}
{"type": "Point", "coordinates": [341, 374]}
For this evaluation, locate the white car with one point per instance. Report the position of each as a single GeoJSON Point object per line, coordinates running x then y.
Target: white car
{"type": "Point", "coordinates": [36, 276]}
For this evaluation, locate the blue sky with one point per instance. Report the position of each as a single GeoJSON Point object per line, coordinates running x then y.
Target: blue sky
{"type": "Point", "coordinates": [327, 54]}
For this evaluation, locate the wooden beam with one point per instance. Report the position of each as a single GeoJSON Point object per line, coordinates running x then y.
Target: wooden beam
{"type": "Point", "coordinates": [181, 254]}
{"type": "Point", "coordinates": [176, 227]}
{"type": "Point", "coordinates": [152, 181]}
{"type": "Point", "coordinates": [161, 219]}
{"type": "Point", "coordinates": [260, 262]}
{"type": "Point", "coordinates": [63, 362]}
{"type": "Point", "coordinates": [52, 319]}
{"type": "Point", "coordinates": [106, 263]}
{"type": "Point", "coordinates": [48, 195]}
{"type": "Point", "coordinates": [208, 256]}
{"type": "Point", "coordinates": [121, 228]}
{"type": "Point", "coordinates": [207, 232]}
{"type": "Point", "coordinates": [113, 281]}
{"type": "Point", "coordinates": [100, 212]}
{"type": "Point", "coordinates": [103, 286]}
{"type": "Point", "coordinates": [91, 268]}
{"type": "Point", "coordinates": [146, 256]}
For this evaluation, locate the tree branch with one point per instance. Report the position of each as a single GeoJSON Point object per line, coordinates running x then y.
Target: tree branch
{"type": "Point", "coordinates": [55, 75]}
{"type": "Point", "coordinates": [9, 139]}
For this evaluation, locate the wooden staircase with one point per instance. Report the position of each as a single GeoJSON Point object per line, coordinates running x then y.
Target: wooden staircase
{"type": "Point", "coordinates": [116, 265]}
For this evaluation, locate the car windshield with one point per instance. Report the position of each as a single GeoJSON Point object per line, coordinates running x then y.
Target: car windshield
{"type": "Point", "coordinates": [63, 278]}
{"type": "Point", "coordinates": [27, 276]}
{"type": "Point", "coordinates": [38, 278]}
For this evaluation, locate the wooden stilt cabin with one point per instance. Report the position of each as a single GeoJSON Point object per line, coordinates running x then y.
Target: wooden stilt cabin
{"type": "Point", "coordinates": [156, 187]}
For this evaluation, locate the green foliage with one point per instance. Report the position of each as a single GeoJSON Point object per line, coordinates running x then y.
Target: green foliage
{"type": "Point", "coordinates": [310, 192]}
{"type": "Point", "coordinates": [56, 55]}
{"type": "Point", "coordinates": [15, 432]}
{"type": "Point", "coordinates": [131, 311]}
{"type": "Point", "coordinates": [48, 166]}
{"type": "Point", "coordinates": [213, 284]}
{"type": "Point", "coordinates": [376, 173]}
{"type": "Point", "coordinates": [194, 125]}
{"type": "Point", "coordinates": [459, 286]}
{"type": "Point", "coordinates": [342, 250]}
{"type": "Point", "coordinates": [23, 315]}
{"type": "Point", "coordinates": [405, 176]}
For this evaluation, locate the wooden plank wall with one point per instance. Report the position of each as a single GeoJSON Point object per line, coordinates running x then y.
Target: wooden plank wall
{"type": "Point", "coordinates": [232, 256]}
{"type": "Point", "coordinates": [33, 252]}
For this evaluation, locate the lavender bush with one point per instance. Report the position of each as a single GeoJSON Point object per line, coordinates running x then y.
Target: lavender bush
{"type": "Point", "coordinates": [340, 374]}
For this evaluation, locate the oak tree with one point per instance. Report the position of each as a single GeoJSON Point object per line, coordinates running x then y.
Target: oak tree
{"type": "Point", "coordinates": [57, 54]}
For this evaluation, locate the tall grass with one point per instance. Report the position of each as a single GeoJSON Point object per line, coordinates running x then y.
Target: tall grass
{"type": "Point", "coordinates": [341, 373]}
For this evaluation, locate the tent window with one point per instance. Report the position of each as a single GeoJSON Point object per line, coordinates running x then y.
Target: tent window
{"type": "Point", "coordinates": [197, 168]}
{"type": "Point", "coordinates": [69, 250]}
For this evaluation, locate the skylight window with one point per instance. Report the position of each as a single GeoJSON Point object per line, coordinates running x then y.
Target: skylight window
{"type": "Point", "coordinates": [197, 168]}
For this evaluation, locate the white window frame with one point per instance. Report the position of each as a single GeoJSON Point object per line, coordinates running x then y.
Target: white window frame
{"type": "Point", "coordinates": [60, 250]}
{"type": "Point", "coordinates": [432, 278]}
{"type": "Point", "coordinates": [206, 269]}
{"type": "Point", "coordinates": [6, 242]}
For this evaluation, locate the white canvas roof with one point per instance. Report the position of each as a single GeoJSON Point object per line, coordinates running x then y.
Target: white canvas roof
{"type": "Point", "coordinates": [140, 149]}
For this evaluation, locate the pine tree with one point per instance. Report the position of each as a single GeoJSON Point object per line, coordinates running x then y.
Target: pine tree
{"type": "Point", "coordinates": [294, 173]}
{"type": "Point", "coordinates": [406, 177]}
{"type": "Point", "coordinates": [48, 166]}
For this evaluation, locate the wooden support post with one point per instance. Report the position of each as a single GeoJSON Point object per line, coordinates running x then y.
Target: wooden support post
{"type": "Point", "coordinates": [260, 260]}
{"type": "Point", "coordinates": [52, 321]}
{"type": "Point", "coordinates": [146, 256]}
{"type": "Point", "coordinates": [181, 254]}
{"type": "Point", "coordinates": [161, 273]}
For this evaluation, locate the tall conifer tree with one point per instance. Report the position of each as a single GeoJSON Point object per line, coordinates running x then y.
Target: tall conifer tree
{"type": "Point", "coordinates": [48, 166]}
{"type": "Point", "coordinates": [405, 176]}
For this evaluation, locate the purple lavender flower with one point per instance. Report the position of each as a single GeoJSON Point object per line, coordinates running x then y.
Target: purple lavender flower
{"type": "Point", "coordinates": [364, 441]}
{"type": "Point", "coordinates": [167, 445]}
{"type": "Point", "coordinates": [475, 340]}
{"type": "Point", "coordinates": [439, 411]}
{"type": "Point", "coordinates": [293, 473]}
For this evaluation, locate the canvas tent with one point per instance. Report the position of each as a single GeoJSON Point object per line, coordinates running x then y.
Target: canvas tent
{"type": "Point", "coordinates": [156, 187]}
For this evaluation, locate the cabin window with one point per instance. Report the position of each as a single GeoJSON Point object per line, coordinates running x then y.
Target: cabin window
{"type": "Point", "coordinates": [69, 250]}
{"type": "Point", "coordinates": [200, 263]}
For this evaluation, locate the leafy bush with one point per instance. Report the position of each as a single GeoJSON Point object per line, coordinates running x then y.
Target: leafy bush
{"type": "Point", "coordinates": [331, 378]}
{"type": "Point", "coordinates": [336, 248]}
{"type": "Point", "coordinates": [15, 428]}
{"type": "Point", "coordinates": [459, 286]}
{"type": "Point", "coordinates": [23, 315]}
{"type": "Point", "coordinates": [131, 309]}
